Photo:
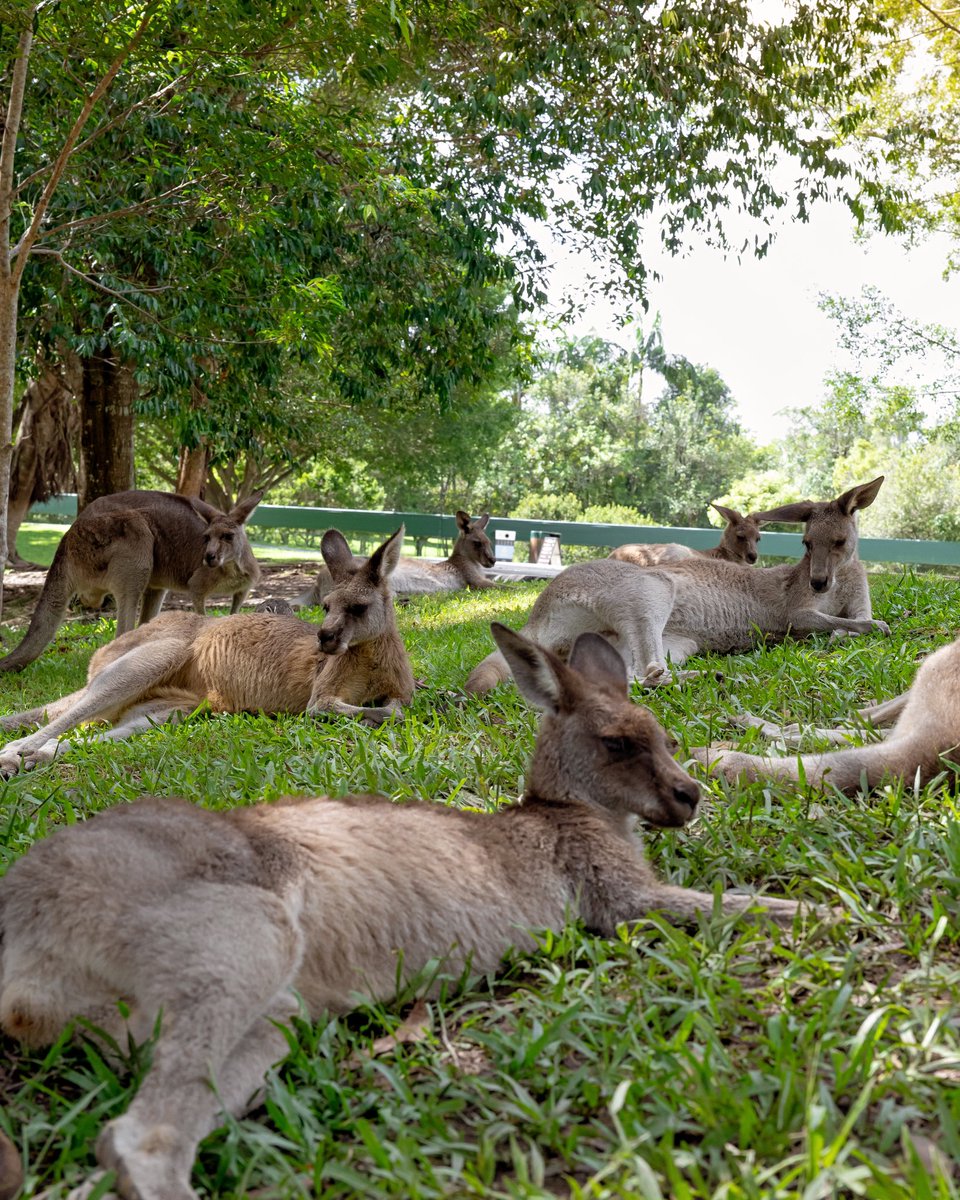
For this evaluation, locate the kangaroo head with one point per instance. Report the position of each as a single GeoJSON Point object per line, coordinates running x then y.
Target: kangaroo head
{"type": "Point", "coordinates": [473, 542]}
{"type": "Point", "coordinates": [741, 535]}
{"type": "Point", "coordinates": [594, 744]}
{"type": "Point", "coordinates": [830, 533]}
{"type": "Point", "coordinates": [225, 539]}
{"type": "Point", "coordinates": [359, 607]}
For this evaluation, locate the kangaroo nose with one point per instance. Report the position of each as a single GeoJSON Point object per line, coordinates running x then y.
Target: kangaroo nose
{"type": "Point", "coordinates": [818, 585]}
{"type": "Point", "coordinates": [687, 794]}
{"type": "Point", "coordinates": [751, 558]}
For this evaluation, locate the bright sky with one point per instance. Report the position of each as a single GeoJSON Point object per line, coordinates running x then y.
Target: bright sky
{"type": "Point", "coordinates": [757, 321]}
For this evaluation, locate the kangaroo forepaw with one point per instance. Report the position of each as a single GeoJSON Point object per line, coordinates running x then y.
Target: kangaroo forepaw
{"type": "Point", "coordinates": [89, 1188]}
{"type": "Point", "coordinates": [378, 716]}
{"type": "Point", "coordinates": [146, 1161]}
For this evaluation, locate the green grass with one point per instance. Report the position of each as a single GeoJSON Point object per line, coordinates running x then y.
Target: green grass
{"type": "Point", "coordinates": [724, 1061]}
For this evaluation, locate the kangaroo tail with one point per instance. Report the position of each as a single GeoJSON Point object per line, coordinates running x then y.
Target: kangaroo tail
{"type": "Point", "coordinates": [47, 616]}
{"type": "Point", "coordinates": [488, 674]}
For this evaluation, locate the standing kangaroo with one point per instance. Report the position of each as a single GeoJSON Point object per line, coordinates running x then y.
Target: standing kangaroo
{"type": "Point", "coordinates": [680, 608]}
{"type": "Point", "coordinates": [251, 662]}
{"type": "Point", "coordinates": [210, 921]}
{"type": "Point", "coordinates": [135, 546]}
{"type": "Point", "coordinates": [738, 544]}
{"type": "Point", "coordinates": [463, 569]}
{"type": "Point", "coordinates": [922, 732]}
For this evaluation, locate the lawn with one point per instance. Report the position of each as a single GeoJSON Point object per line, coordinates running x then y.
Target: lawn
{"type": "Point", "coordinates": [730, 1059]}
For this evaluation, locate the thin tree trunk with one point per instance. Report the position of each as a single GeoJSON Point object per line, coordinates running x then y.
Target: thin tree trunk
{"type": "Point", "coordinates": [9, 275]}
{"type": "Point", "coordinates": [106, 428]}
{"type": "Point", "coordinates": [192, 470]}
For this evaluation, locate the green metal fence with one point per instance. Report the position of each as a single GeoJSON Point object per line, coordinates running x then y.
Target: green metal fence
{"type": "Point", "coordinates": [572, 533]}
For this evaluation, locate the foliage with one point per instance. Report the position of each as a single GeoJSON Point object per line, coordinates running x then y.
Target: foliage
{"type": "Point", "coordinates": [588, 430]}
{"type": "Point", "coordinates": [916, 113]}
{"type": "Point", "coordinates": [720, 1059]}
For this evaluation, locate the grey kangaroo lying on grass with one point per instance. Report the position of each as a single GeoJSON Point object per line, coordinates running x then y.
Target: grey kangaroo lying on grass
{"type": "Point", "coordinates": [678, 609]}
{"type": "Point", "coordinates": [135, 546]}
{"type": "Point", "coordinates": [212, 921]}
{"type": "Point", "coordinates": [463, 569]}
{"type": "Point", "coordinates": [922, 732]}
{"type": "Point", "coordinates": [251, 662]}
{"type": "Point", "coordinates": [738, 544]}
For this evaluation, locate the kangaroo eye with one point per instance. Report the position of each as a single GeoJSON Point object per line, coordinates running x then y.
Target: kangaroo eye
{"type": "Point", "coordinates": [806, 543]}
{"type": "Point", "coordinates": [618, 747]}
{"type": "Point", "coordinates": [226, 537]}
{"type": "Point", "coordinates": [357, 610]}
{"type": "Point", "coordinates": [839, 545]}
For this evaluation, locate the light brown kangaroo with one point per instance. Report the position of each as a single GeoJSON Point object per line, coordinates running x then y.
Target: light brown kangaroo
{"type": "Point", "coordinates": [922, 732]}
{"type": "Point", "coordinates": [250, 662]}
{"type": "Point", "coordinates": [135, 546]}
{"type": "Point", "coordinates": [678, 609]}
{"type": "Point", "coordinates": [463, 569]}
{"type": "Point", "coordinates": [210, 922]}
{"type": "Point", "coordinates": [738, 544]}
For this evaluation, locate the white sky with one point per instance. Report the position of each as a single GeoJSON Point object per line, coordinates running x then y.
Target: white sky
{"type": "Point", "coordinates": [757, 323]}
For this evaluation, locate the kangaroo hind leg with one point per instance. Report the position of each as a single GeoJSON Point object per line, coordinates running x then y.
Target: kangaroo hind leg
{"type": "Point", "coordinates": [220, 977]}
{"type": "Point", "coordinates": [109, 694]}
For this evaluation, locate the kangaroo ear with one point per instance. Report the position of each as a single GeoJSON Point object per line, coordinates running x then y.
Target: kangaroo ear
{"type": "Point", "coordinates": [730, 515]}
{"type": "Point", "coordinates": [537, 672]}
{"type": "Point", "coordinates": [803, 510]}
{"type": "Point", "coordinates": [205, 511]}
{"type": "Point", "coordinates": [598, 662]}
{"type": "Point", "coordinates": [463, 520]}
{"type": "Point", "coordinates": [336, 554]}
{"type": "Point", "coordinates": [482, 522]}
{"type": "Point", "coordinates": [859, 497]}
{"type": "Point", "coordinates": [383, 561]}
{"type": "Point", "coordinates": [243, 508]}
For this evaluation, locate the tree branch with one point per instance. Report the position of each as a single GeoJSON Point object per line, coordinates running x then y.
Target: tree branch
{"type": "Point", "coordinates": [101, 218]}
{"type": "Point", "coordinates": [22, 249]}
{"type": "Point", "coordinates": [8, 147]}
{"type": "Point", "coordinates": [105, 128]}
{"type": "Point", "coordinates": [937, 16]}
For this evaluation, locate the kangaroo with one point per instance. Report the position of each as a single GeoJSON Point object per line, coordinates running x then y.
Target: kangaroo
{"type": "Point", "coordinates": [211, 921]}
{"type": "Point", "coordinates": [471, 552]}
{"type": "Point", "coordinates": [250, 662]}
{"type": "Point", "coordinates": [135, 546]}
{"type": "Point", "coordinates": [922, 731]}
{"type": "Point", "coordinates": [738, 544]}
{"type": "Point", "coordinates": [680, 608]}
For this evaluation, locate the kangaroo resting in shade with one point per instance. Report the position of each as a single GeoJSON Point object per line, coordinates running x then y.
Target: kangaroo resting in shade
{"type": "Point", "coordinates": [251, 662]}
{"type": "Point", "coordinates": [211, 921]}
{"type": "Point", "coordinates": [135, 546]}
{"type": "Point", "coordinates": [922, 733]}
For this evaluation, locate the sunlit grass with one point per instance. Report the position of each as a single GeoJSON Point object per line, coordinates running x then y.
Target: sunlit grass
{"type": "Point", "coordinates": [728, 1060]}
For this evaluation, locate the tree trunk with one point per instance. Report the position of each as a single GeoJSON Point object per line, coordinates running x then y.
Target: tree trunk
{"type": "Point", "coordinates": [42, 459]}
{"type": "Point", "coordinates": [106, 428]}
{"type": "Point", "coordinates": [192, 470]}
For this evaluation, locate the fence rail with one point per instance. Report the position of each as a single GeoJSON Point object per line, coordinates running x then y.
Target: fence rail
{"type": "Point", "coordinates": [572, 533]}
